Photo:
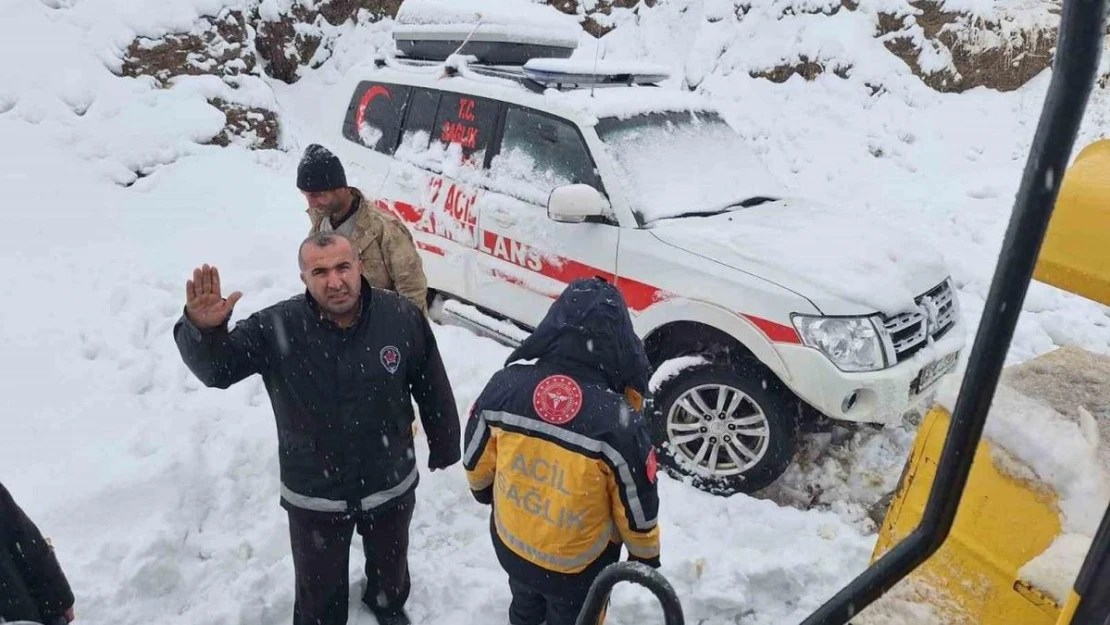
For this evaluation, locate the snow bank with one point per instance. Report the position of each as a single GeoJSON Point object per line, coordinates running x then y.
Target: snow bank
{"type": "Point", "coordinates": [911, 602]}
{"type": "Point", "coordinates": [64, 92]}
{"type": "Point", "coordinates": [846, 470]}
{"type": "Point", "coordinates": [1076, 383]}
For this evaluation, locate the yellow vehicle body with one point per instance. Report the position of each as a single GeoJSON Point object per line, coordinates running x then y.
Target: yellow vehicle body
{"type": "Point", "coordinates": [1074, 256]}
{"type": "Point", "coordinates": [1004, 521]}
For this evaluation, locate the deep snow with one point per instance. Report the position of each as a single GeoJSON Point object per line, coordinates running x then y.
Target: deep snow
{"type": "Point", "coordinates": [161, 496]}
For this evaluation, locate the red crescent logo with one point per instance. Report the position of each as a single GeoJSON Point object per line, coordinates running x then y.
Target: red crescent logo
{"type": "Point", "coordinates": [367, 98]}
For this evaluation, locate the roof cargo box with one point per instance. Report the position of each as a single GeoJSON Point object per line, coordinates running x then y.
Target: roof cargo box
{"type": "Point", "coordinates": [498, 32]}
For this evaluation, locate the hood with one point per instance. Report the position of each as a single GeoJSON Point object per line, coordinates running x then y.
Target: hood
{"type": "Point", "coordinates": [589, 328]}
{"type": "Point", "coordinates": [845, 262]}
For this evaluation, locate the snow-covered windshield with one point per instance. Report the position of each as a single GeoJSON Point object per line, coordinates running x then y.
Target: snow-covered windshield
{"type": "Point", "coordinates": [674, 164]}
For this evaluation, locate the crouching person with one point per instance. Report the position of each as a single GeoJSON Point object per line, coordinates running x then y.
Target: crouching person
{"type": "Point", "coordinates": [561, 452]}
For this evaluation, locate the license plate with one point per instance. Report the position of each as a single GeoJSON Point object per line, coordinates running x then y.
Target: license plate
{"type": "Point", "coordinates": [933, 372]}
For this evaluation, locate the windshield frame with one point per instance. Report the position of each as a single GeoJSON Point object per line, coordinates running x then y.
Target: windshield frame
{"type": "Point", "coordinates": [605, 127]}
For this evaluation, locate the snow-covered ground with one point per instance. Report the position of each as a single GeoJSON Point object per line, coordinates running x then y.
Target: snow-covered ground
{"type": "Point", "coordinates": [161, 496]}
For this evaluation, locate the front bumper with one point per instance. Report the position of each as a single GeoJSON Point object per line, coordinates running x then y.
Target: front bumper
{"type": "Point", "coordinates": [879, 396]}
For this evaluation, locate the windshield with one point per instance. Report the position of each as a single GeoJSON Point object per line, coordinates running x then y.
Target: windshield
{"type": "Point", "coordinates": [682, 164]}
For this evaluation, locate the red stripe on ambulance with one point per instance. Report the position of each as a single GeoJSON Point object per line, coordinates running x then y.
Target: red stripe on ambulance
{"type": "Point", "coordinates": [438, 251]}
{"type": "Point", "coordinates": [639, 295]}
{"type": "Point", "coordinates": [777, 332]}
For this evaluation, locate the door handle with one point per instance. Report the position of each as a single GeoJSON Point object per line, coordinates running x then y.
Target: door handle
{"type": "Point", "coordinates": [406, 181]}
{"type": "Point", "coordinates": [502, 218]}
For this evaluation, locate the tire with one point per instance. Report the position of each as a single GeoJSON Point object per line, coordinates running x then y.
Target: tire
{"type": "Point", "coordinates": [764, 413]}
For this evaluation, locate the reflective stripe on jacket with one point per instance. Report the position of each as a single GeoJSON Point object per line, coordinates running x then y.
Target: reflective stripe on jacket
{"type": "Point", "coordinates": [561, 496]}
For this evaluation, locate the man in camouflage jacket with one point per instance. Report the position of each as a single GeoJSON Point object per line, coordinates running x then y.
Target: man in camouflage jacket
{"type": "Point", "coordinates": [389, 257]}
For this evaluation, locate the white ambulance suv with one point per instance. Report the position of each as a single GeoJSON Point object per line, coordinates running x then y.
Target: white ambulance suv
{"type": "Point", "coordinates": [519, 170]}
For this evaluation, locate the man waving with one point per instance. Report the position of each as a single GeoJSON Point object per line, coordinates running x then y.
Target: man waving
{"type": "Point", "coordinates": [342, 364]}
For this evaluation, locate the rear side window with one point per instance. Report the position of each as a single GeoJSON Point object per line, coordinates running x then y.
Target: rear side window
{"type": "Point", "coordinates": [418, 127]}
{"type": "Point", "coordinates": [374, 115]}
{"type": "Point", "coordinates": [539, 153]}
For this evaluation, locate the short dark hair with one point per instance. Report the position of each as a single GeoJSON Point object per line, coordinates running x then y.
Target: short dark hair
{"type": "Point", "coordinates": [322, 239]}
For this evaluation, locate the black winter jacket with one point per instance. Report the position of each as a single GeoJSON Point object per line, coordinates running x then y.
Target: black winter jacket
{"type": "Point", "coordinates": [32, 584]}
{"type": "Point", "coordinates": [342, 397]}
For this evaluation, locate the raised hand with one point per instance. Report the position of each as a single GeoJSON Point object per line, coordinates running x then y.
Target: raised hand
{"type": "Point", "coordinates": [205, 307]}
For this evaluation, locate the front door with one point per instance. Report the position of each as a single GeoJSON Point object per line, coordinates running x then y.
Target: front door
{"type": "Point", "coordinates": [525, 259]}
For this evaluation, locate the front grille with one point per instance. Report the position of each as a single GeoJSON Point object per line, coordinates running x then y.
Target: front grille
{"type": "Point", "coordinates": [908, 332]}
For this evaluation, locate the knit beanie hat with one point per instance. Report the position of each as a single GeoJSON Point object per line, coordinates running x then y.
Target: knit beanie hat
{"type": "Point", "coordinates": [320, 170]}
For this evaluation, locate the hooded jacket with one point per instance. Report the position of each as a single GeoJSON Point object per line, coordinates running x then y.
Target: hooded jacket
{"type": "Point", "coordinates": [32, 584]}
{"type": "Point", "coordinates": [561, 452]}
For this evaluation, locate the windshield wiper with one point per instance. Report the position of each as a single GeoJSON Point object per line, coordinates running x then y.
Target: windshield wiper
{"type": "Point", "coordinates": [748, 203]}
{"type": "Point", "coordinates": [755, 201]}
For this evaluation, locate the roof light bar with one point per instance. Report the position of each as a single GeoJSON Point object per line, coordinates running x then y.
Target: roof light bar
{"type": "Point", "coordinates": [550, 71]}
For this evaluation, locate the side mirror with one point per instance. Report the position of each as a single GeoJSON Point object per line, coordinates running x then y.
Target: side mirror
{"type": "Point", "coordinates": [574, 203]}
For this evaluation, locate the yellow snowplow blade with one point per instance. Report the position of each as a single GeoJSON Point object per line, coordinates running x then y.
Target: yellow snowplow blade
{"type": "Point", "coordinates": [1075, 255]}
{"type": "Point", "coordinates": [1005, 521]}
{"type": "Point", "coordinates": [1002, 523]}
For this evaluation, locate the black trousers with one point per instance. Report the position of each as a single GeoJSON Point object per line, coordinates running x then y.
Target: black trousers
{"type": "Point", "coordinates": [532, 607]}
{"type": "Point", "coordinates": [321, 545]}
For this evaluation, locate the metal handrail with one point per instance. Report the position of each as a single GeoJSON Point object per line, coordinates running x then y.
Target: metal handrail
{"type": "Point", "coordinates": [1079, 47]}
{"type": "Point", "coordinates": [638, 573]}
{"type": "Point", "coordinates": [1093, 582]}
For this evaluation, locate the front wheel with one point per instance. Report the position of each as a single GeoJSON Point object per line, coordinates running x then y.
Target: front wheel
{"type": "Point", "coordinates": [725, 428]}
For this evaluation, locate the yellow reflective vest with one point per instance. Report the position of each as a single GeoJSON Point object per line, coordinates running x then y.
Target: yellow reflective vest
{"type": "Point", "coordinates": [569, 469]}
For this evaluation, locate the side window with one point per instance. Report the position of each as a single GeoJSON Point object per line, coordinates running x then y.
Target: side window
{"type": "Point", "coordinates": [374, 115]}
{"type": "Point", "coordinates": [418, 128]}
{"type": "Point", "coordinates": [539, 153]}
{"type": "Point", "coordinates": [464, 126]}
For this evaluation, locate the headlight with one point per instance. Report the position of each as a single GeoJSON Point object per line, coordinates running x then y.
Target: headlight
{"type": "Point", "coordinates": [851, 343]}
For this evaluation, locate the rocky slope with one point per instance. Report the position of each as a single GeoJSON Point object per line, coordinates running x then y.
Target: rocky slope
{"type": "Point", "coordinates": [951, 48]}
